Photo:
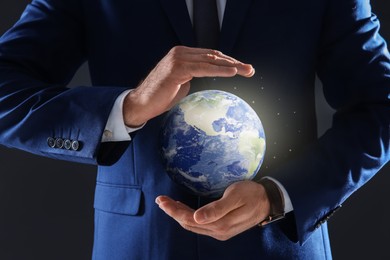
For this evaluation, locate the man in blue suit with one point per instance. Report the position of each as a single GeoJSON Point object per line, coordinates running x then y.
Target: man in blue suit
{"type": "Point", "coordinates": [287, 43]}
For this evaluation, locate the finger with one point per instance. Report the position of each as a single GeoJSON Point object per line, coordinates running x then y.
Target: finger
{"type": "Point", "coordinates": [182, 214]}
{"type": "Point", "coordinates": [201, 51]}
{"type": "Point", "coordinates": [218, 58]}
{"type": "Point", "coordinates": [163, 201]}
{"type": "Point", "coordinates": [175, 209]}
{"type": "Point", "coordinates": [216, 210]}
{"type": "Point", "coordinates": [215, 56]}
{"type": "Point", "coordinates": [244, 69]}
{"type": "Point", "coordinates": [233, 223]}
{"type": "Point", "coordinates": [228, 226]}
{"type": "Point", "coordinates": [196, 229]}
{"type": "Point", "coordinates": [192, 50]}
{"type": "Point", "coordinates": [211, 58]}
{"type": "Point", "coordinates": [204, 69]}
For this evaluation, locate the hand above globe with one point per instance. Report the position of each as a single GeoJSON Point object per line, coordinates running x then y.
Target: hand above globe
{"type": "Point", "coordinates": [169, 81]}
{"type": "Point", "coordinates": [243, 205]}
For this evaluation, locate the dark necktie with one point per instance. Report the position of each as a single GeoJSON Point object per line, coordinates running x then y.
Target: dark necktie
{"type": "Point", "coordinates": [206, 23]}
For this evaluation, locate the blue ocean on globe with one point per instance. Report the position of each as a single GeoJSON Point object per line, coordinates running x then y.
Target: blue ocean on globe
{"type": "Point", "coordinates": [210, 140]}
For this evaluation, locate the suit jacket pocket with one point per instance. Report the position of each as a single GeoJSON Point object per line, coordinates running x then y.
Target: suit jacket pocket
{"type": "Point", "coordinates": [118, 199]}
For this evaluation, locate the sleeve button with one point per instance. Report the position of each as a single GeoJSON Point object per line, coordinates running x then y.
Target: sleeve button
{"type": "Point", "coordinates": [67, 144]}
{"type": "Point", "coordinates": [51, 142]}
{"type": "Point", "coordinates": [75, 145]}
{"type": "Point", "coordinates": [59, 143]}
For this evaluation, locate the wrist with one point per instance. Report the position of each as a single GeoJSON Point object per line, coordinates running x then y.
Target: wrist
{"type": "Point", "coordinates": [276, 201]}
{"type": "Point", "coordinates": [133, 112]}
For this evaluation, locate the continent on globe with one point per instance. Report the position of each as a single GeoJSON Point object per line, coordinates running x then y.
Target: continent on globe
{"type": "Point", "coordinates": [210, 140]}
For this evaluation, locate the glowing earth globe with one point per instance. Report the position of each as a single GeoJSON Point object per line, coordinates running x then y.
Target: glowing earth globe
{"type": "Point", "coordinates": [210, 140]}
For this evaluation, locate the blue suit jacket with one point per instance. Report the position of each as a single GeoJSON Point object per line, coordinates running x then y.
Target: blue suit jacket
{"type": "Point", "coordinates": [288, 42]}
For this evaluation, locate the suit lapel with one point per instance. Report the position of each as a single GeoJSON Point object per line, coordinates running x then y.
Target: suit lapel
{"type": "Point", "coordinates": [234, 17]}
{"type": "Point", "coordinates": [177, 13]}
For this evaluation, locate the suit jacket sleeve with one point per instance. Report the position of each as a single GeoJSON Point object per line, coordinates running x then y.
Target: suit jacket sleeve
{"type": "Point", "coordinates": [38, 57]}
{"type": "Point", "coordinates": [354, 67]}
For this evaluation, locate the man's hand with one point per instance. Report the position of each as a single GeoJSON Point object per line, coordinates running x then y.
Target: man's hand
{"type": "Point", "coordinates": [169, 81]}
{"type": "Point", "coordinates": [243, 205]}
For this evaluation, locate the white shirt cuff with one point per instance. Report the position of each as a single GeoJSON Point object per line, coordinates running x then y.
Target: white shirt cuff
{"type": "Point", "coordinates": [288, 207]}
{"type": "Point", "coordinates": [116, 130]}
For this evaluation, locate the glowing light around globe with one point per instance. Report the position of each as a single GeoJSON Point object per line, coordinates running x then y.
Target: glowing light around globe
{"type": "Point", "coordinates": [210, 140]}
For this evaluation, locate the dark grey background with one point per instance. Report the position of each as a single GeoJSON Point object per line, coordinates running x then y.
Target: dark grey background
{"type": "Point", "coordinates": [46, 205]}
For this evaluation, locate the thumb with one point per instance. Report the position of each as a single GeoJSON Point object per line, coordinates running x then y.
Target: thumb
{"type": "Point", "coordinates": [183, 91]}
{"type": "Point", "coordinates": [215, 210]}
